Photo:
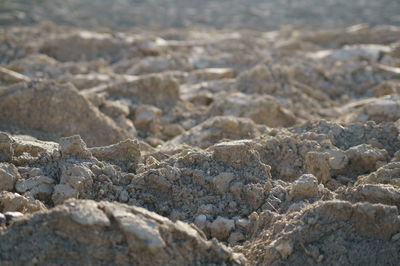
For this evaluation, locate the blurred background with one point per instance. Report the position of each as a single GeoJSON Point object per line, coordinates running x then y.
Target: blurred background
{"type": "Point", "coordinates": [229, 14]}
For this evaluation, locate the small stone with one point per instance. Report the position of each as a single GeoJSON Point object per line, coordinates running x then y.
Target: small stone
{"type": "Point", "coordinates": [306, 186]}
{"type": "Point", "coordinates": [284, 247]}
{"type": "Point", "coordinates": [26, 185]}
{"type": "Point", "coordinates": [222, 227]}
{"type": "Point", "coordinates": [242, 224]}
{"type": "Point", "coordinates": [206, 209]}
{"type": "Point", "coordinates": [74, 146]}
{"type": "Point", "coordinates": [173, 130]}
{"type": "Point", "coordinates": [201, 221]}
{"type": "Point", "coordinates": [124, 196]}
{"type": "Point", "coordinates": [6, 150]}
{"type": "Point", "coordinates": [236, 237]}
{"type": "Point", "coordinates": [137, 226]}
{"type": "Point", "coordinates": [63, 192]}
{"type": "Point", "coordinates": [147, 117]}
{"type": "Point", "coordinates": [87, 213]}
{"type": "Point", "coordinates": [8, 176]}
{"type": "Point", "coordinates": [13, 202]}
{"type": "Point", "coordinates": [222, 181]}
{"type": "Point", "coordinates": [337, 159]}
{"type": "Point", "coordinates": [396, 237]}
{"type": "Point", "coordinates": [78, 177]}
{"type": "Point", "coordinates": [121, 154]}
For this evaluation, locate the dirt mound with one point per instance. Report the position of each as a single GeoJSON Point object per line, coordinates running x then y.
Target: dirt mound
{"type": "Point", "coordinates": [86, 232]}
{"type": "Point", "coordinates": [329, 231]}
{"type": "Point", "coordinates": [178, 146]}
{"type": "Point", "coordinates": [56, 110]}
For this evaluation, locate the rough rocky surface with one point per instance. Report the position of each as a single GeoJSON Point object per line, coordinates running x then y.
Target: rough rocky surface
{"type": "Point", "coordinates": [236, 134]}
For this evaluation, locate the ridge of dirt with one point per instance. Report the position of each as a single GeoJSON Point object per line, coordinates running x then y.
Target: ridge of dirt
{"type": "Point", "coordinates": [198, 147]}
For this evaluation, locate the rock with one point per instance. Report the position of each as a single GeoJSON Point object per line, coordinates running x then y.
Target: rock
{"type": "Point", "coordinates": [6, 150]}
{"type": "Point", "coordinates": [385, 194]}
{"type": "Point", "coordinates": [337, 159]}
{"type": "Point", "coordinates": [317, 163]}
{"type": "Point", "coordinates": [8, 176]}
{"type": "Point", "coordinates": [365, 157]}
{"type": "Point", "coordinates": [201, 221]}
{"type": "Point", "coordinates": [262, 109]}
{"type": "Point", "coordinates": [74, 146]}
{"type": "Point", "coordinates": [242, 224]}
{"type": "Point", "coordinates": [221, 228]}
{"type": "Point", "coordinates": [87, 213]}
{"type": "Point", "coordinates": [34, 147]}
{"type": "Point", "coordinates": [159, 90]}
{"type": "Point", "coordinates": [23, 186]}
{"type": "Point", "coordinates": [159, 64]}
{"type": "Point", "coordinates": [284, 247]}
{"type": "Point", "coordinates": [172, 130]}
{"type": "Point", "coordinates": [84, 45]}
{"type": "Point", "coordinates": [145, 230]}
{"type": "Point", "coordinates": [306, 186]}
{"type": "Point", "coordinates": [261, 79]}
{"type": "Point", "coordinates": [13, 202]}
{"type": "Point", "coordinates": [214, 129]}
{"type": "Point", "coordinates": [222, 181]}
{"type": "Point", "coordinates": [123, 196]}
{"type": "Point", "coordinates": [63, 192]}
{"type": "Point", "coordinates": [235, 238]}
{"type": "Point", "coordinates": [147, 117]}
{"type": "Point", "coordinates": [78, 177]}
{"type": "Point", "coordinates": [124, 153]}
{"type": "Point", "coordinates": [115, 109]}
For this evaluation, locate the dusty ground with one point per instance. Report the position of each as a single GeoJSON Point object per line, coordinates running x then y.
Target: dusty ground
{"type": "Point", "coordinates": [218, 137]}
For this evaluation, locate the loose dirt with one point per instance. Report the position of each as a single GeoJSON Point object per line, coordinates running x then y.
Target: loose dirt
{"type": "Point", "coordinates": [228, 141]}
